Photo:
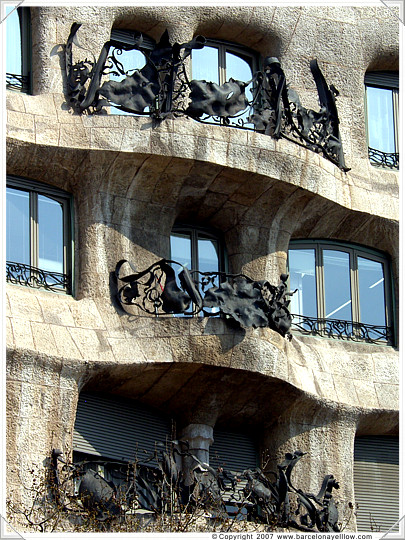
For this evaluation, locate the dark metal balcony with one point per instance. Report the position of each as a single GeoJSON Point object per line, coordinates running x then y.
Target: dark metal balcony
{"type": "Point", "coordinates": [158, 291]}
{"type": "Point", "coordinates": [17, 82]}
{"type": "Point", "coordinates": [383, 159]}
{"type": "Point", "coordinates": [162, 88]}
{"type": "Point", "coordinates": [30, 276]}
{"type": "Point", "coordinates": [346, 330]}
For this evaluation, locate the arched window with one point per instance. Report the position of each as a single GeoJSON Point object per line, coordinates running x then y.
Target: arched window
{"type": "Point", "coordinates": [18, 48]}
{"type": "Point", "coordinates": [342, 290]}
{"type": "Point", "coordinates": [38, 235]}
{"type": "Point", "coordinates": [382, 108]}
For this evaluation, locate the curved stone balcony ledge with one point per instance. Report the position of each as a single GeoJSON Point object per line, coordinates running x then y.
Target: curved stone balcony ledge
{"type": "Point", "coordinates": [44, 120]}
{"type": "Point", "coordinates": [90, 336]}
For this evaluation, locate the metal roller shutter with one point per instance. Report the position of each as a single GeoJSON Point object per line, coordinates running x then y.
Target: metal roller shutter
{"type": "Point", "coordinates": [117, 428]}
{"type": "Point", "coordinates": [386, 79]}
{"type": "Point", "coordinates": [233, 451]}
{"type": "Point", "coordinates": [376, 482]}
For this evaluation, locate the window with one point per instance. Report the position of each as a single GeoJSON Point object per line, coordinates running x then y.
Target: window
{"type": "Point", "coordinates": [38, 235]}
{"type": "Point", "coordinates": [219, 61]}
{"type": "Point", "coordinates": [342, 291]}
{"type": "Point", "coordinates": [199, 250]}
{"type": "Point", "coordinates": [128, 58]}
{"type": "Point", "coordinates": [18, 36]}
{"type": "Point", "coordinates": [382, 102]}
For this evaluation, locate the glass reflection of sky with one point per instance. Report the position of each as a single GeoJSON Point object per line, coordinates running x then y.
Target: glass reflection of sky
{"type": "Point", "coordinates": [338, 304]}
{"type": "Point", "coordinates": [380, 118]}
{"type": "Point", "coordinates": [372, 295]}
{"type": "Point", "coordinates": [17, 226]}
{"type": "Point", "coordinates": [301, 265]}
{"type": "Point", "coordinates": [13, 42]}
{"type": "Point", "coordinates": [205, 65]}
{"type": "Point", "coordinates": [50, 235]}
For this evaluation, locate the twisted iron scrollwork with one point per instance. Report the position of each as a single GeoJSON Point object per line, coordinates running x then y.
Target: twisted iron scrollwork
{"type": "Point", "coordinates": [163, 489]}
{"type": "Point", "coordinates": [383, 159]}
{"type": "Point", "coordinates": [162, 87]}
{"type": "Point", "coordinates": [338, 329]}
{"type": "Point", "coordinates": [159, 291]}
{"type": "Point", "coordinates": [30, 276]}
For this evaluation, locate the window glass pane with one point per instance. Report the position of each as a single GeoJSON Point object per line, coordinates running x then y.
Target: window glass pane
{"type": "Point", "coordinates": [130, 60]}
{"type": "Point", "coordinates": [207, 254]}
{"type": "Point", "coordinates": [180, 249]}
{"type": "Point", "coordinates": [371, 290]}
{"type": "Point", "coordinates": [239, 68]}
{"type": "Point", "coordinates": [301, 265]}
{"type": "Point", "coordinates": [18, 226]}
{"type": "Point", "coordinates": [205, 64]}
{"type": "Point", "coordinates": [13, 43]}
{"type": "Point", "coordinates": [338, 303]}
{"type": "Point", "coordinates": [380, 117]}
{"type": "Point", "coordinates": [50, 235]}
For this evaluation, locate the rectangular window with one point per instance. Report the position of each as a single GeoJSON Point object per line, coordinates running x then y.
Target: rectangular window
{"type": "Point", "coordinates": [18, 49]}
{"type": "Point", "coordinates": [38, 235]}
{"type": "Point", "coordinates": [382, 112]}
{"type": "Point", "coordinates": [341, 291]}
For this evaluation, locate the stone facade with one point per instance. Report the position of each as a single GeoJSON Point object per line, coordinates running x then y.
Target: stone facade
{"type": "Point", "coordinates": [131, 182]}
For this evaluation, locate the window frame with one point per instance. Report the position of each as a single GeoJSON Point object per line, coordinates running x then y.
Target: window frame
{"type": "Point", "coordinates": [65, 199]}
{"type": "Point", "coordinates": [24, 79]}
{"type": "Point", "coordinates": [355, 251]}
{"type": "Point", "coordinates": [386, 80]}
{"type": "Point", "coordinates": [233, 48]}
{"type": "Point", "coordinates": [194, 232]}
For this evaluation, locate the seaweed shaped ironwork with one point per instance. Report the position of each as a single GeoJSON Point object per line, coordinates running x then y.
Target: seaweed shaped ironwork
{"type": "Point", "coordinates": [162, 88]}
{"type": "Point", "coordinates": [338, 329]}
{"type": "Point", "coordinates": [157, 291]}
{"type": "Point", "coordinates": [30, 276]}
{"type": "Point", "coordinates": [212, 489]}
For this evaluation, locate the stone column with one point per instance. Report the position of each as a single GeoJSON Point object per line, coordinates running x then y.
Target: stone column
{"type": "Point", "coordinates": [326, 435]}
{"type": "Point", "coordinates": [199, 438]}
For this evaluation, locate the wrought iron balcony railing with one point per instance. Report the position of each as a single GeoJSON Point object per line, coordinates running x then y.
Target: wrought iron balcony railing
{"type": "Point", "coordinates": [30, 276]}
{"type": "Point", "coordinates": [17, 82]}
{"type": "Point", "coordinates": [383, 159]}
{"type": "Point", "coordinates": [347, 330]}
{"type": "Point", "coordinates": [159, 291]}
{"type": "Point", "coordinates": [162, 88]}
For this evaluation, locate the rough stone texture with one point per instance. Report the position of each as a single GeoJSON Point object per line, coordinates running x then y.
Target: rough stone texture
{"type": "Point", "coordinates": [131, 182]}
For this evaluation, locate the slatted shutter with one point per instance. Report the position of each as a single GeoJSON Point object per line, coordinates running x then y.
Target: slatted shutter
{"type": "Point", "coordinates": [233, 451]}
{"type": "Point", "coordinates": [117, 428]}
{"type": "Point", "coordinates": [376, 482]}
{"type": "Point", "coordinates": [385, 79]}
